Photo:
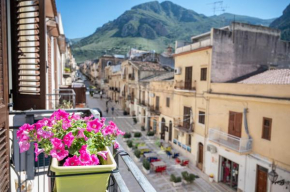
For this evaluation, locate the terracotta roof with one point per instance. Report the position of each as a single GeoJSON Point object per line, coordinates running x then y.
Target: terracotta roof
{"type": "Point", "coordinates": [148, 66]}
{"type": "Point", "coordinates": [277, 76]}
{"type": "Point", "coordinates": [162, 77]}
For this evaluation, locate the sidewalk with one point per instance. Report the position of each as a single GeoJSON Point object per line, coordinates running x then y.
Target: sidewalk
{"type": "Point", "coordinates": [161, 182]}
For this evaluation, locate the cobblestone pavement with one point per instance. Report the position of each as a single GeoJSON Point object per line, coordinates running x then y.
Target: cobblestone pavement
{"type": "Point", "coordinates": [161, 182]}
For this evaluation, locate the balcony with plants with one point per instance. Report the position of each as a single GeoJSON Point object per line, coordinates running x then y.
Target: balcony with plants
{"type": "Point", "coordinates": [181, 85]}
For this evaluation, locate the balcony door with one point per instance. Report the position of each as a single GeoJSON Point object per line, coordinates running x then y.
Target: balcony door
{"type": "Point", "coordinates": [157, 103]}
{"type": "Point", "coordinates": [186, 117]}
{"type": "Point", "coordinates": [235, 124]}
{"type": "Point", "coordinates": [4, 132]}
{"type": "Point", "coordinates": [261, 180]}
{"type": "Point", "coordinates": [188, 78]}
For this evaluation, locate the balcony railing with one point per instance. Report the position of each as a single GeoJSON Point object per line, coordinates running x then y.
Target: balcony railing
{"type": "Point", "coordinates": [62, 98]}
{"type": "Point", "coordinates": [185, 85]}
{"type": "Point", "coordinates": [193, 46]}
{"type": "Point", "coordinates": [131, 77]}
{"type": "Point", "coordinates": [106, 81]}
{"type": "Point", "coordinates": [183, 126]}
{"type": "Point", "coordinates": [155, 110]}
{"type": "Point", "coordinates": [240, 145]}
{"type": "Point", "coordinates": [28, 175]}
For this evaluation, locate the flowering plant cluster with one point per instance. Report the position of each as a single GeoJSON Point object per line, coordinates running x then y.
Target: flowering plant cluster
{"type": "Point", "coordinates": [76, 141]}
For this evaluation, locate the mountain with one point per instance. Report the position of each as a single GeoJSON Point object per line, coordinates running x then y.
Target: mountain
{"type": "Point", "coordinates": [151, 26]}
{"type": "Point", "coordinates": [283, 23]}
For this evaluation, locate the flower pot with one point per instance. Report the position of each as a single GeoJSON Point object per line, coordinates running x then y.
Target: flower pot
{"type": "Point", "coordinates": [85, 183]}
{"type": "Point", "coordinates": [176, 184]}
{"type": "Point", "coordinates": [136, 159]}
{"type": "Point", "coordinates": [185, 182]}
{"type": "Point", "coordinates": [211, 179]}
{"type": "Point", "coordinates": [147, 172]}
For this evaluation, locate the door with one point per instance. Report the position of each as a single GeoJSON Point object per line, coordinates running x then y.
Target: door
{"type": "Point", "coordinates": [157, 103]}
{"type": "Point", "coordinates": [188, 78]}
{"type": "Point", "coordinates": [162, 134]}
{"type": "Point", "coordinates": [170, 131]}
{"type": "Point", "coordinates": [186, 117]}
{"type": "Point", "coordinates": [200, 156]}
{"type": "Point", "coordinates": [261, 180]}
{"type": "Point", "coordinates": [4, 135]}
{"type": "Point", "coordinates": [235, 124]}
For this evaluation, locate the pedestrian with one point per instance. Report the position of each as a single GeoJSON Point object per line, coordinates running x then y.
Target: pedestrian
{"type": "Point", "coordinates": [101, 94]}
{"type": "Point", "coordinates": [107, 103]}
{"type": "Point", "coordinates": [107, 110]}
{"type": "Point", "coordinates": [112, 110]}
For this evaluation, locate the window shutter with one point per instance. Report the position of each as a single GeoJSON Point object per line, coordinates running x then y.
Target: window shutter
{"type": "Point", "coordinates": [4, 132]}
{"type": "Point", "coordinates": [28, 42]}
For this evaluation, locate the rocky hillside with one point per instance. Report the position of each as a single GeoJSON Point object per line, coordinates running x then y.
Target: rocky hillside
{"type": "Point", "coordinates": [151, 26]}
{"type": "Point", "coordinates": [283, 23]}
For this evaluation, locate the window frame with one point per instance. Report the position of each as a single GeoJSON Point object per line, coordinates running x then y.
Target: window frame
{"type": "Point", "coordinates": [269, 127]}
{"type": "Point", "coordinates": [199, 117]}
{"type": "Point", "coordinates": [203, 74]}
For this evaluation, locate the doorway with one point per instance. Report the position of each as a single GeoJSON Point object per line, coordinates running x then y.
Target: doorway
{"type": "Point", "coordinates": [162, 134]}
{"type": "Point", "coordinates": [200, 156]}
{"type": "Point", "coordinates": [170, 131]}
{"type": "Point", "coordinates": [229, 173]}
{"type": "Point", "coordinates": [261, 179]}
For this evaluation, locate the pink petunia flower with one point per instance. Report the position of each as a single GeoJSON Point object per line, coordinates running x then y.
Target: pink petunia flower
{"type": "Point", "coordinates": [72, 161]}
{"type": "Point", "coordinates": [57, 143]}
{"type": "Point", "coordinates": [44, 134]}
{"type": "Point", "coordinates": [75, 117]}
{"type": "Point", "coordinates": [95, 125]}
{"type": "Point", "coordinates": [85, 158]}
{"type": "Point", "coordinates": [68, 139]}
{"type": "Point", "coordinates": [88, 118]}
{"type": "Point", "coordinates": [37, 151]}
{"type": "Point", "coordinates": [83, 149]}
{"type": "Point", "coordinates": [81, 134]}
{"type": "Point", "coordinates": [116, 145]}
{"type": "Point", "coordinates": [24, 145]}
{"type": "Point", "coordinates": [59, 114]}
{"type": "Point", "coordinates": [59, 153]}
{"type": "Point", "coordinates": [66, 124]}
{"type": "Point", "coordinates": [103, 154]}
{"type": "Point", "coordinates": [95, 160]}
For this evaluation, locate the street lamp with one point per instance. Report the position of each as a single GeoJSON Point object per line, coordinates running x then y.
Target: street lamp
{"type": "Point", "coordinates": [273, 176]}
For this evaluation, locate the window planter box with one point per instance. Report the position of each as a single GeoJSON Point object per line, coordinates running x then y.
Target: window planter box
{"type": "Point", "coordinates": [136, 159]}
{"type": "Point", "coordinates": [93, 183]}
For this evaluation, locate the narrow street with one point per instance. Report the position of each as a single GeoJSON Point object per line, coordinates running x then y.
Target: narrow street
{"type": "Point", "coordinates": [161, 182]}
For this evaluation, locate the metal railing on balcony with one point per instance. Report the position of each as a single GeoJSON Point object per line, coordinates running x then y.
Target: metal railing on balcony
{"type": "Point", "coordinates": [62, 98]}
{"type": "Point", "coordinates": [241, 145]}
{"type": "Point", "coordinates": [154, 109]}
{"type": "Point", "coordinates": [28, 175]}
{"type": "Point", "coordinates": [185, 85]}
{"type": "Point", "coordinates": [184, 126]}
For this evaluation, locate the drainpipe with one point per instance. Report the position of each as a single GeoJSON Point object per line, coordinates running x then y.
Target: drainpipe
{"type": "Point", "coordinates": [249, 143]}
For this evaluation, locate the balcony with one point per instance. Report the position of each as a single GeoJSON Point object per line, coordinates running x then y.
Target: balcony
{"type": "Point", "coordinates": [155, 110]}
{"type": "Point", "coordinates": [106, 81]}
{"type": "Point", "coordinates": [131, 77]}
{"type": "Point", "coordinates": [193, 46]}
{"type": "Point", "coordinates": [241, 145]}
{"type": "Point", "coordinates": [33, 175]}
{"type": "Point", "coordinates": [183, 126]}
{"type": "Point", "coordinates": [62, 98]}
{"type": "Point", "coordinates": [185, 86]}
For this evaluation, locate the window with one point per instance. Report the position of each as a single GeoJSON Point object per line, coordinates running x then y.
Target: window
{"type": "Point", "coordinates": [189, 140]}
{"type": "Point", "coordinates": [203, 74]}
{"type": "Point", "coordinates": [267, 126]}
{"type": "Point", "coordinates": [201, 117]}
{"type": "Point", "coordinates": [167, 102]}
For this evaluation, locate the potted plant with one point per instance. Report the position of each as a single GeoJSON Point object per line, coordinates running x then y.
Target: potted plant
{"type": "Point", "coordinates": [187, 178]}
{"type": "Point", "coordinates": [126, 136]}
{"type": "Point", "coordinates": [211, 177]}
{"type": "Point", "coordinates": [142, 128]}
{"type": "Point", "coordinates": [137, 134]}
{"type": "Point", "coordinates": [137, 154]}
{"type": "Point", "coordinates": [146, 166]}
{"type": "Point", "coordinates": [76, 145]}
{"type": "Point", "coordinates": [176, 181]}
{"type": "Point", "coordinates": [130, 144]}
{"type": "Point", "coordinates": [150, 134]}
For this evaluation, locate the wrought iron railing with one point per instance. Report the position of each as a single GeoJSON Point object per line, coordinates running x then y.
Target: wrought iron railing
{"type": "Point", "coordinates": [28, 175]}
{"type": "Point", "coordinates": [185, 85]}
{"type": "Point", "coordinates": [184, 126]}
{"type": "Point", "coordinates": [154, 109]}
{"type": "Point", "coordinates": [238, 144]}
{"type": "Point", "coordinates": [62, 98]}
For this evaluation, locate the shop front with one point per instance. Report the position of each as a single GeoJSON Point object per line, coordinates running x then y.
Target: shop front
{"type": "Point", "coordinates": [229, 172]}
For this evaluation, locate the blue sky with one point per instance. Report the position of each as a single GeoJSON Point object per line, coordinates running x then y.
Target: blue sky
{"type": "Point", "coordinates": [82, 17]}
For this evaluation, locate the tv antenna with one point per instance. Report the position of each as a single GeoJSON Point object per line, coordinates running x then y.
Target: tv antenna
{"type": "Point", "coordinates": [218, 7]}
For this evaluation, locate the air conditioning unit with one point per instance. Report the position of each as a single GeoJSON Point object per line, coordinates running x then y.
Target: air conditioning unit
{"type": "Point", "coordinates": [151, 94]}
{"type": "Point", "coordinates": [211, 148]}
{"type": "Point", "coordinates": [177, 71]}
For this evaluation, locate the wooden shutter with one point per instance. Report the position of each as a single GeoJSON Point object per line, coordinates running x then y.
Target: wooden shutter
{"type": "Point", "coordinates": [235, 124]}
{"type": "Point", "coordinates": [186, 117]}
{"type": "Point", "coordinates": [4, 133]}
{"type": "Point", "coordinates": [28, 43]}
{"type": "Point", "coordinates": [157, 103]}
{"type": "Point", "coordinates": [266, 129]}
{"type": "Point", "coordinates": [188, 78]}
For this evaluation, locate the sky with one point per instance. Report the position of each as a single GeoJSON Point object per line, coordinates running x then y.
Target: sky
{"type": "Point", "coordinates": [82, 17]}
